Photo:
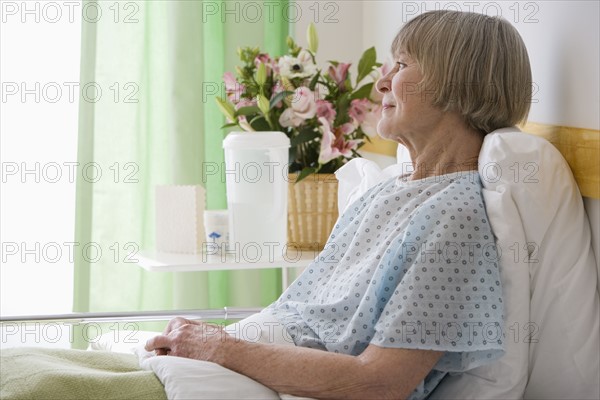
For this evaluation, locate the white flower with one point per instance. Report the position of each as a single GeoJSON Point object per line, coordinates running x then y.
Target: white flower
{"type": "Point", "coordinates": [303, 106]}
{"type": "Point", "coordinates": [300, 67]}
{"type": "Point", "coordinates": [304, 103]}
{"type": "Point", "coordinates": [289, 118]}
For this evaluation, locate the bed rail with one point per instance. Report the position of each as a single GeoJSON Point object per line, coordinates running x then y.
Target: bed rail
{"type": "Point", "coordinates": [224, 313]}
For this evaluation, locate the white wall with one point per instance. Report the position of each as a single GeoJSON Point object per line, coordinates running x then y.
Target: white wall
{"type": "Point", "coordinates": [339, 26]}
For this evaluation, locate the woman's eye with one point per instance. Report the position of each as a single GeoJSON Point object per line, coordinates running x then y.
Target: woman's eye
{"type": "Point", "coordinates": [400, 65]}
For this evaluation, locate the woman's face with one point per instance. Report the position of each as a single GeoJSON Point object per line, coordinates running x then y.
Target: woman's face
{"type": "Point", "coordinates": [407, 109]}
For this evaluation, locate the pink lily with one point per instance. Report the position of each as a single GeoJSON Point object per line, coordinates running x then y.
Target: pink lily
{"type": "Point", "coordinates": [325, 109]}
{"type": "Point", "coordinates": [339, 74]}
{"type": "Point", "coordinates": [334, 145]}
{"type": "Point", "coordinates": [265, 59]}
{"type": "Point", "coordinates": [359, 109]}
{"type": "Point", "coordinates": [233, 88]}
{"type": "Point", "coordinates": [278, 88]}
{"type": "Point", "coordinates": [369, 124]}
{"type": "Point", "coordinates": [244, 102]}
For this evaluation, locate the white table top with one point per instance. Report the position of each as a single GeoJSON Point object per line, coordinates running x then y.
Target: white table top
{"type": "Point", "coordinates": [170, 262]}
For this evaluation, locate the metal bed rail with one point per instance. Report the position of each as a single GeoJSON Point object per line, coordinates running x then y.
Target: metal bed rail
{"type": "Point", "coordinates": [133, 316]}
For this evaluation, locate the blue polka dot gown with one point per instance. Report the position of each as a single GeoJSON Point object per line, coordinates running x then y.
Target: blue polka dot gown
{"type": "Point", "coordinates": [411, 264]}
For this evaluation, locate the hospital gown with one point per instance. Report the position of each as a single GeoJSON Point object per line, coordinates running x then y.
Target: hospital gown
{"type": "Point", "coordinates": [411, 264]}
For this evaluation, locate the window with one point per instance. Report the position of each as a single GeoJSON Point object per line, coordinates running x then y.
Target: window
{"type": "Point", "coordinates": [39, 74]}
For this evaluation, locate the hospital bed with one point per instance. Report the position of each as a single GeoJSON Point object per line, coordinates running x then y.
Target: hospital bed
{"type": "Point", "coordinates": [549, 270]}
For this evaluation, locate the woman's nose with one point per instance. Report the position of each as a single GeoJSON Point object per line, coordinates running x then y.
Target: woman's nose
{"type": "Point", "coordinates": [383, 84]}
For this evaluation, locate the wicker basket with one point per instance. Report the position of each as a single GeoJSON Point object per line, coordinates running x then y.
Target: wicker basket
{"type": "Point", "coordinates": [312, 210]}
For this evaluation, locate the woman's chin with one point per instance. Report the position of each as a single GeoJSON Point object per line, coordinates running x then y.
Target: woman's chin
{"type": "Point", "coordinates": [384, 136]}
{"type": "Point", "coordinates": [385, 133]}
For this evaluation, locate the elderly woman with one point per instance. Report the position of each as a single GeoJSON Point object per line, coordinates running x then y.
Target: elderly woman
{"type": "Point", "coordinates": [413, 289]}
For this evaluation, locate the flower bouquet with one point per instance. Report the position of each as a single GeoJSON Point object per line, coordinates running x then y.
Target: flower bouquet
{"type": "Point", "coordinates": [326, 115]}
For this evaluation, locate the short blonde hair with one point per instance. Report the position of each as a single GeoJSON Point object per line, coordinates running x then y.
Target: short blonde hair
{"type": "Point", "coordinates": [473, 64]}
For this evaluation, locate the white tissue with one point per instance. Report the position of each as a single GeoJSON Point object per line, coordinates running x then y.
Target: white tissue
{"type": "Point", "coordinates": [179, 218]}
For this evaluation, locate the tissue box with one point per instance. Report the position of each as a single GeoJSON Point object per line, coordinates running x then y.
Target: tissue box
{"type": "Point", "coordinates": [179, 218]}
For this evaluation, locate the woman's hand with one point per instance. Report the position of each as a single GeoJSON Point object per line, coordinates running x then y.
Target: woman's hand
{"type": "Point", "coordinates": [190, 339]}
{"type": "Point", "coordinates": [178, 322]}
{"type": "Point", "coordinates": [173, 324]}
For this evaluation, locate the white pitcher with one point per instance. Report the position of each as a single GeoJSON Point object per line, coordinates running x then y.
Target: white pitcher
{"type": "Point", "coordinates": [256, 171]}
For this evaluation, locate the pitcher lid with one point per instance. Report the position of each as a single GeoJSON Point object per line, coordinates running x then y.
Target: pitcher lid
{"type": "Point", "coordinates": [256, 140]}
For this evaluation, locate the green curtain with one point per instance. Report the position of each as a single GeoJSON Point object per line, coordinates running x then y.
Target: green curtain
{"type": "Point", "coordinates": [147, 117]}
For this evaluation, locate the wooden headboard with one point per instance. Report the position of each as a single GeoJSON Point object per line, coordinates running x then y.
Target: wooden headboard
{"type": "Point", "coordinates": [579, 146]}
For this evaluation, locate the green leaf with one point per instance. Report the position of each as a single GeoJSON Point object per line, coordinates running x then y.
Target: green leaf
{"type": "Point", "coordinates": [305, 172]}
{"type": "Point", "coordinates": [363, 92]}
{"type": "Point", "coordinates": [247, 111]}
{"type": "Point", "coordinates": [231, 125]}
{"type": "Point", "coordinates": [313, 81]}
{"type": "Point", "coordinates": [305, 136]}
{"type": "Point", "coordinates": [293, 47]}
{"type": "Point", "coordinates": [290, 42]}
{"type": "Point", "coordinates": [261, 74]}
{"type": "Point", "coordinates": [259, 123]}
{"type": "Point", "coordinates": [366, 63]}
{"type": "Point", "coordinates": [342, 106]}
{"type": "Point", "coordinates": [263, 104]}
{"type": "Point", "coordinates": [279, 96]}
{"type": "Point", "coordinates": [312, 38]}
{"type": "Point", "coordinates": [226, 108]}
{"type": "Point", "coordinates": [293, 153]}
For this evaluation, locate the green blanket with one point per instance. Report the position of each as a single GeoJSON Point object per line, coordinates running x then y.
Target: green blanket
{"type": "Point", "coordinates": [37, 373]}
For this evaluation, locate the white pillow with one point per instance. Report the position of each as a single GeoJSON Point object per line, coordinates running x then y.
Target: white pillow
{"type": "Point", "coordinates": [185, 378]}
{"type": "Point", "coordinates": [548, 274]}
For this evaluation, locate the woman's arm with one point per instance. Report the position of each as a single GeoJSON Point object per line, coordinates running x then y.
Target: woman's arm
{"type": "Point", "coordinates": [378, 373]}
